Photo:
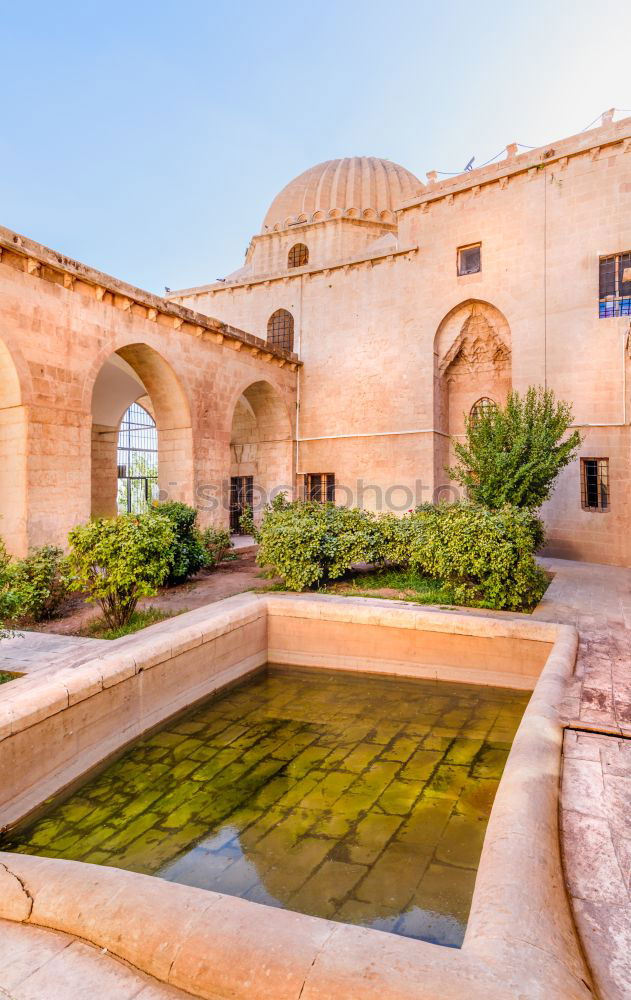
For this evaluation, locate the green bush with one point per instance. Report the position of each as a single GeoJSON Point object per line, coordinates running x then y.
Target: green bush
{"type": "Point", "coordinates": [486, 556]}
{"type": "Point", "coordinates": [216, 544]}
{"type": "Point", "coordinates": [246, 522]}
{"type": "Point", "coordinates": [118, 560]}
{"type": "Point", "coordinates": [512, 454]}
{"type": "Point", "coordinates": [38, 583]}
{"type": "Point", "coordinates": [9, 606]}
{"type": "Point", "coordinates": [482, 556]}
{"type": "Point", "coordinates": [310, 543]}
{"type": "Point", "coordinates": [187, 553]}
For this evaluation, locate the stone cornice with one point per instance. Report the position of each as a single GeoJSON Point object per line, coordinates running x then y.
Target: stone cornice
{"type": "Point", "coordinates": [530, 162]}
{"type": "Point", "coordinates": [298, 272]}
{"type": "Point", "coordinates": [46, 264]}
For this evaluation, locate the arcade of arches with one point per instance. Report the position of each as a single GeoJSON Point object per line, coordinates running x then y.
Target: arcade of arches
{"type": "Point", "coordinates": [68, 376]}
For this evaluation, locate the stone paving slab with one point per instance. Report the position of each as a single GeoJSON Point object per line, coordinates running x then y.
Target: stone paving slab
{"type": "Point", "coordinates": [596, 785]}
{"type": "Point", "coordinates": [39, 964]}
{"type": "Point", "coordinates": [597, 600]}
{"type": "Point", "coordinates": [596, 842]}
{"type": "Point", "coordinates": [28, 652]}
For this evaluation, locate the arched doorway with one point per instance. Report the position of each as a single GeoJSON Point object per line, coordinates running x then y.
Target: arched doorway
{"type": "Point", "coordinates": [13, 456]}
{"type": "Point", "coordinates": [472, 363]}
{"type": "Point", "coordinates": [141, 431]}
{"type": "Point", "coordinates": [260, 450]}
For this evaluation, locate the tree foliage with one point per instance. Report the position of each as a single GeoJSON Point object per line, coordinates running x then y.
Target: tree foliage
{"type": "Point", "coordinates": [513, 453]}
{"type": "Point", "coordinates": [118, 560]}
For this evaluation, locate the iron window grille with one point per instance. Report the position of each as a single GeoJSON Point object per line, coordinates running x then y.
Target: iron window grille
{"type": "Point", "coordinates": [482, 406]}
{"type": "Point", "coordinates": [614, 294]}
{"type": "Point", "coordinates": [241, 497]}
{"type": "Point", "coordinates": [137, 461]}
{"type": "Point", "coordinates": [280, 330]}
{"type": "Point", "coordinates": [595, 484]}
{"type": "Point", "coordinates": [320, 486]}
{"type": "Point", "coordinates": [298, 255]}
{"type": "Point", "coordinates": [470, 259]}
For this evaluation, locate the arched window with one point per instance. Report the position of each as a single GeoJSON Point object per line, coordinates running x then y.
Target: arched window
{"type": "Point", "coordinates": [137, 461]}
{"type": "Point", "coordinates": [280, 330]}
{"type": "Point", "coordinates": [298, 255]}
{"type": "Point", "coordinates": [482, 406]}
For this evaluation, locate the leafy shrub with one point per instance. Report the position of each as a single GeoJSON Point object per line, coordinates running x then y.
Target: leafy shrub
{"type": "Point", "coordinates": [246, 522]}
{"type": "Point", "coordinates": [187, 553]}
{"type": "Point", "coordinates": [310, 543]}
{"type": "Point", "coordinates": [481, 555]}
{"type": "Point", "coordinates": [38, 583]}
{"type": "Point", "coordinates": [486, 556]}
{"type": "Point", "coordinates": [119, 560]}
{"type": "Point", "coordinates": [216, 544]}
{"type": "Point", "coordinates": [9, 606]}
{"type": "Point", "coordinates": [513, 454]}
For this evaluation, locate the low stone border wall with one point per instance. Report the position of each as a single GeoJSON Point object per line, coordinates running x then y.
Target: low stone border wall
{"type": "Point", "coordinates": [520, 940]}
{"type": "Point", "coordinates": [58, 725]}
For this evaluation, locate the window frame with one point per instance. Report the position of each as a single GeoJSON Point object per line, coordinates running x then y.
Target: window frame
{"type": "Point", "coordinates": [287, 329]}
{"type": "Point", "coordinates": [319, 482]}
{"type": "Point", "coordinates": [601, 485]}
{"type": "Point", "coordinates": [469, 246]}
{"type": "Point", "coordinates": [483, 399]}
{"type": "Point", "coordinates": [302, 253]}
{"type": "Point", "coordinates": [616, 302]}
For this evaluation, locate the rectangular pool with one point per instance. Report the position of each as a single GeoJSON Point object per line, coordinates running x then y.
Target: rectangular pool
{"type": "Point", "coordinates": [353, 797]}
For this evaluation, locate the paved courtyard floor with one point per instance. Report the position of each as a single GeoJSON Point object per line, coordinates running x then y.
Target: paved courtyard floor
{"type": "Point", "coordinates": [595, 796]}
{"type": "Point", "coordinates": [596, 782]}
{"type": "Point", "coordinates": [38, 964]}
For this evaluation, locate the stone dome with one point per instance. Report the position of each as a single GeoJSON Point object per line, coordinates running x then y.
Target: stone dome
{"type": "Point", "coordinates": [363, 187]}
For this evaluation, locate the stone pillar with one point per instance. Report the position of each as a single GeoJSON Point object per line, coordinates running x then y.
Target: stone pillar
{"type": "Point", "coordinates": [104, 470]}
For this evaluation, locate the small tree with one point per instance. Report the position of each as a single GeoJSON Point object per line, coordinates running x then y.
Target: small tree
{"type": "Point", "coordinates": [119, 560]}
{"type": "Point", "coordinates": [513, 454]}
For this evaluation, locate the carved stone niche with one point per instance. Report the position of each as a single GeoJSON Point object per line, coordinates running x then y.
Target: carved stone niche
{"type": "Point", "coordinates": [478, 346]}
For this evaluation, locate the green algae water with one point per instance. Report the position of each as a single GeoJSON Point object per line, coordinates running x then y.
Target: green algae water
{"type": "Point", "coordinates": [358, 798]}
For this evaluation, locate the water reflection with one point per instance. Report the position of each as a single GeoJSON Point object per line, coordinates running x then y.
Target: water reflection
{"type": "Point", "coordinates": [360, 799]}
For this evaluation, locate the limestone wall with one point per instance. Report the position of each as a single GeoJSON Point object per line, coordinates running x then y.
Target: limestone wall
{"type": "Point", "coordinates": [59, 323]}
{"type": "Point", "coordinates": [370, 330]}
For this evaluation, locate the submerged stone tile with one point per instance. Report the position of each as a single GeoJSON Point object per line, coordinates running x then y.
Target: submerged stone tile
{"type": "Point", "coordinates": [357, 798]}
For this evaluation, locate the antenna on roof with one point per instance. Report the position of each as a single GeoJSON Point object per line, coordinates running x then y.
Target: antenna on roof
{"type": "Point", "coordinates": [469, 165]}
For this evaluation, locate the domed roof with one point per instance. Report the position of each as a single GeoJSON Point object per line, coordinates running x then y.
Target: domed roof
{"type": "Point", "coordinates": [357, 186]}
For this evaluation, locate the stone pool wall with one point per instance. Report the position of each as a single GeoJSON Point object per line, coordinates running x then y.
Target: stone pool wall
{"type": "Point", "coordinates": [520, 940]}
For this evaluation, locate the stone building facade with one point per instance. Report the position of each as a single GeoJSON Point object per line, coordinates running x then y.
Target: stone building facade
{"type": "Point", "coordinates": [378, 310]}
{"type": "Point", "coordinates": [414, 301]}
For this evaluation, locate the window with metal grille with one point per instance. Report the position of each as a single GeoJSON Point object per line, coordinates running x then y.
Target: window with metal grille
{"type": "Point", "coordinates": [595, 484]}
{"type": "Point", "coordinates": [614, 295]}
{"type": "Point", "coordinates": [137, 461]}
{"type": "Point", "coordinates": [298, 255]}
{"type": "Point", "coordinates": [280, 330]}
{"type": "Point", "coordinates": [482, 406]}
{"type": "Point", "coordinates": [470, 259]}
{"type": "Point", "coordinates": [320, 486]}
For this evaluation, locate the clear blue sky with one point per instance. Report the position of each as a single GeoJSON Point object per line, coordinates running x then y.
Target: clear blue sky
{"type": "Point", "coordinates": [148, 139]}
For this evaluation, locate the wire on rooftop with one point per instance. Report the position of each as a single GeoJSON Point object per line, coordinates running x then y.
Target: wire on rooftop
{"type": "Point", "coordinates": [522, 145]}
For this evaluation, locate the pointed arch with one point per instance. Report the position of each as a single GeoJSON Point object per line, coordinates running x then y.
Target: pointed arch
{"type": "Point", "coordinates": [143, 372]}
